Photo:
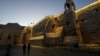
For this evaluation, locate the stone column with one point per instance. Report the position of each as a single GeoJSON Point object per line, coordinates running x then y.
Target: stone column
{"type": "Point", "coordinates": [78, 30]}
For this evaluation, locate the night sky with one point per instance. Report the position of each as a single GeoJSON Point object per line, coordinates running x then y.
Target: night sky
{"type": "Point", "coordinates": [26, 12]}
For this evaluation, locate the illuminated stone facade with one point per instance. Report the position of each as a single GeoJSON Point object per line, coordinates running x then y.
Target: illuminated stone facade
{"type": "Point", "coordinates": [56, 29]}
{"type": "Point", "coordinates": [89, 21]}
{"type": "Point", "coordinates": [11, 31]}
{"type": "Point", "coordinates": [80, 26]}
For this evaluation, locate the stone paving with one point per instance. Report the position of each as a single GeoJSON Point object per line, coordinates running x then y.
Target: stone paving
{"type": "Point", "coordinates": [44, 51]}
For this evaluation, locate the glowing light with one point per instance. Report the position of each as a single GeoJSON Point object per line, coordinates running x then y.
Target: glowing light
{"type": "Point", "coordinates": [37, 38]}
{"type": "Point", "coordinates": [98, 0]}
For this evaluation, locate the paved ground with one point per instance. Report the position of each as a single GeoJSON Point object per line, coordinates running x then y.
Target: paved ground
{"type": "Point", "coordinates": [41, 51]}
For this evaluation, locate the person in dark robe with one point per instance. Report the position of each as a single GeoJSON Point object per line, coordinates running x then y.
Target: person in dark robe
{"type": "Point", "coordinates": [24, 49]}
{"type": "Point", "coordinates": [29, 46]}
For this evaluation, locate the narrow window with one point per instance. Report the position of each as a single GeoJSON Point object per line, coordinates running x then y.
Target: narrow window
{"type": "Point", "coordinates": [82, 20]}
{"type": "Point", "coordinates": [55, 19]}
{"type": "Point", "coordinates": [67, 23]}
{"type": "Point", "coordinates": [96, 10]}
{"type": "Point", "coordinates": [53, 26]}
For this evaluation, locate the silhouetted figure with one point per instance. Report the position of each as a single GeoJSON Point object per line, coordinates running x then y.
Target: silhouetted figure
{"type": "Point", "coordinates": [69, 5]}
{"type": "Point", "coordinates": [29, 48]}
{"type": "Point", "coordinates": [24, 49]}
{"type": "Point", "coordinates": [8, 46]}
{"type": "Point", "coordinates": [8, 50]}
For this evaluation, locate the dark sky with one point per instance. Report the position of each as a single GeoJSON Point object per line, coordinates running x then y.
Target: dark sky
{"type": "Point", "coordinates": [26, 11]}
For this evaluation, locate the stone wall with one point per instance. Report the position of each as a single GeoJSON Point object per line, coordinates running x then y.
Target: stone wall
{"type": "Point", "coordinates": [65, 20]}
{"type": "Point", "coordinates": [69, 26]}
{"type": "Point", "coordinates": [90, 24]}
{"type": "Point", "coordinates": [37, 42]}
{"type": "Point", "coordinates": [39, 28]}
{"type": "Point", "coordinates": [12, 29]}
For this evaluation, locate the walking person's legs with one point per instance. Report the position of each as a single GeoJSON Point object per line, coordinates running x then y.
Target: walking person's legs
{"type": "Point", "coordinates": [29, 49]}
{"type": "Point", "coordinates": [24, 49]}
